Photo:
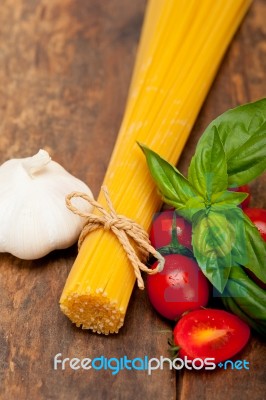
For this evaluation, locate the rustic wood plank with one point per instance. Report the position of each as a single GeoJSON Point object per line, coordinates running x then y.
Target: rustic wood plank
{"type": "Point", "coordinates": [65, 67]}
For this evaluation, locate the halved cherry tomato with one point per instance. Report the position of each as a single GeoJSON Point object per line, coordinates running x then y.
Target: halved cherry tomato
{"type": "Point", "coordinates": [162, 226]}
{"type": "Point", "coordinates": [180, 287]}
{"type": "Point", "coordinates": [210, 333]}
{"type": "Point", "coordinates": [243, 189]}
{"type": "Point", "coordinates": [258, 217]}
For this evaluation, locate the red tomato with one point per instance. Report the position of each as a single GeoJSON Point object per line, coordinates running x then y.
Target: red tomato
{"type": "Point", "coordinates": [243, 189]}
{"type": "Point", "coordinates": [161, 230]}
{"type": "Point", "coordinates": [210, 333]}
{"type": "Point", "coordinates": [258, 217]}
{"type": "Point", "coordinates": [180, 287]}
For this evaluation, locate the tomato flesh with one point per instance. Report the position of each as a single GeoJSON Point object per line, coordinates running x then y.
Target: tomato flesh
{"type": "Point", "coordinates": [258, 217]}
{"type": "Point", "coordinates": [210, 333]}
{"type": "Point", "coordinates": [180, 287]}
{"type": "Point", "coordinates": [161, 230]}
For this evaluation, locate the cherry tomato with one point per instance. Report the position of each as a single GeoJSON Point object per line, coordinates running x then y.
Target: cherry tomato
{"type": "Point", "coordinates": [162, 226]}
{"type": "Point", "coordinates": [258, 217]}
{"type": "Point", "coordinates": [243, 189]}
{"type": "Point", "coordinates": [180, 287]}
{"type": "Point", "coordinates": [210, 333]}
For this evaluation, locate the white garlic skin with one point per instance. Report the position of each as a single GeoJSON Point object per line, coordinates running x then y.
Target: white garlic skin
{"type": "Point", "coordinates": [34, 219]}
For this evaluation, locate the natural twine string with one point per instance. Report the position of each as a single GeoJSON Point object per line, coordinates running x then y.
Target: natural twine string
{"type": "Point", "coordinates": [124, 229]}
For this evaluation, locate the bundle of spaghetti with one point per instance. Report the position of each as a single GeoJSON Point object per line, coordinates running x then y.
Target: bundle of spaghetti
{"type": "Point", "coordinates": [182, 44]}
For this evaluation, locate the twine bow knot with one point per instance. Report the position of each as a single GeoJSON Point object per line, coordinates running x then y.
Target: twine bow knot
{"type": "Point", "coordinates": [125, 229]}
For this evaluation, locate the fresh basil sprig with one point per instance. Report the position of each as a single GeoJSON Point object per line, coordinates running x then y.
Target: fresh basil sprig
{"type": "Point", "coordinates": [175, 189]}
{"type": "Point", "coordinates": [208, 168]}
{"type": "Point", "coordinates": [231, 152]}
{"type": "Point", "coordinates": [212, 246]}
{"type": "Point", "coordinates": [255, 250]}
{"type": "Point", "coordinates": [242, 131]}
{"type": "Point", "coordinates": [246, 299]}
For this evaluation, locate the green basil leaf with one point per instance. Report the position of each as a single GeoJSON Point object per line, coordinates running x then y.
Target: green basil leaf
{"type": "Point", "coordinates": [249, 297]}
{"type": "Point", "coordinates": [242, 131]}
{"type": "Point", "coordinates": [227, 199]}
{"type": "Point", "coordinates": [248, 248]}
{"type": "Point", "coordinates": [231, 304]}
{"type": "Point", "coordinates": [208, 168]}
{"type": "Point", "coordinates": [238, 235]}
{"type": "Point", "coordinates": [193, 206]}
{"type": "Point", "coordinates": [173, 186]}
{"type": "Point", "coordinates": [255, 249]}
{"type": "Point", "coordinates": [252, 162]}
{"type": "Point", "coordinates": [212, 241]}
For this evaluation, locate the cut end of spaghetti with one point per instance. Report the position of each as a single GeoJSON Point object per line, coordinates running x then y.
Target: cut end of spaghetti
{"type": "Point", "coordinates": [93, 311]}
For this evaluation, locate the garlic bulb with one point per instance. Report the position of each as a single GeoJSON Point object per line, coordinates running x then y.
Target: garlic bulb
{"type": "Point", "coordinates": [34, 219]}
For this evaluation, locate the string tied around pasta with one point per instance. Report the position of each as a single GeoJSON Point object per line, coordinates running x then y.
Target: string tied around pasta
{"type": "Point", "coordinates": [125, 229]}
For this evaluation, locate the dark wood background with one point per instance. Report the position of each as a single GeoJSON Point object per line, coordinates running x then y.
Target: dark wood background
{"type": "Point", "coordinates": [65, 68]}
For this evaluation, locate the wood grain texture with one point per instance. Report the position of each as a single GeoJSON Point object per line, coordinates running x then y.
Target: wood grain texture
{"type": "Point", "coordinates": [65, 68]}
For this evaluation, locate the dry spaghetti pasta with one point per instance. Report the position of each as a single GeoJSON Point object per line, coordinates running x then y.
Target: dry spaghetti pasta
{"type": "Point", "coordinates": [182, 44]}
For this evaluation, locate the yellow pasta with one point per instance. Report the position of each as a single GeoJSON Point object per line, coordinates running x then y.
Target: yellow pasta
{"type": "Point", "coordinates": [182, 44]}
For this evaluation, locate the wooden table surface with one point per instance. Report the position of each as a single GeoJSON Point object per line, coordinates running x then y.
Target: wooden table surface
{"type": "Point", "coordinates": [65, 68]}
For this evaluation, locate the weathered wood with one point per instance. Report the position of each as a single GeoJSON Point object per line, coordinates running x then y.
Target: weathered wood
{"type": "Point", "coordinates": [65, 67]}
